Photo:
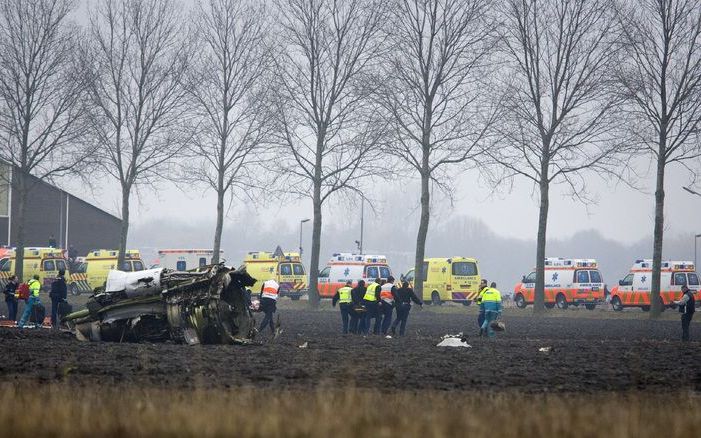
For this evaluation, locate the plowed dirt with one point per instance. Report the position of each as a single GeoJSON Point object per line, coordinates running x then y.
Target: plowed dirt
{"type": "Point", "coordinates": [587, 355]}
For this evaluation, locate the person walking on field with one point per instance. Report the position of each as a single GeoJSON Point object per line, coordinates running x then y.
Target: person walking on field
{"type": "Point", "coordinates": [343, 297]}
{"type": "Point", "coordinates": [403, 298]}
{"type": "Point", "coordinates": [687, 307]}
{"type": "Point", "coordinates": [491, 300]}
{"type": "Point", "coordinates": [370, 301]}
{"type": "Point", "coordinates": [11, 296]}
{"type": "Point", "coordinates": [387, 293]}
{"type": "Point", "coordinates": [268, 303]}
{"type": "Point", "coordinates": [480, 316]}
{"type": "Point", "coordinates": [357, 308]}
{"type": "Point", "coordinates": [58, 294]}
{"type": "Point", "coordinates": [34, 288]}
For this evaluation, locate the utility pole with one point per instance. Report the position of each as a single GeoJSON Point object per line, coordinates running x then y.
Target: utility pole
{"type": "Point", "coordinates": [302, 222]}
{"type": "Point", "coordinates": [362, 223]}
{"type": "Point", "coordinates": [696, 237]}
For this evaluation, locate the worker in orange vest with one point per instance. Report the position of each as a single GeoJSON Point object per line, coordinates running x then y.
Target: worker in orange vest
{"type": "Point", "coordinates": [268, 303]}
{"type": "Point", "coordinates": [387, 295]}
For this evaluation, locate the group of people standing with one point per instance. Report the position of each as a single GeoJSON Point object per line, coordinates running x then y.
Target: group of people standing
{"type": "Point", "coordinates": [13, 296]}
{"type": "Point", "coordinates": [377, 301]}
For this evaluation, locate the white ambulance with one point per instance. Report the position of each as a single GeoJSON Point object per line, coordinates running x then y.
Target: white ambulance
{"type": "Point", "coordinates": [634, 289]}
{"type": "Point", "coordinates": [186, 259]}
{"type": "Point", "coordinates": [567, 281]}
{"type": "Point", "coordinates": [346, 266]}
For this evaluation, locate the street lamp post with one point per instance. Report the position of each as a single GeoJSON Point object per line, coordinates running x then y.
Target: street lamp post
{"type": "Point", "coordinates": [302, 222]}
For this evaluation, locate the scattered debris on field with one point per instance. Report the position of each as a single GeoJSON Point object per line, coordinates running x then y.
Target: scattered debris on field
{"type": "Point", "coordinates": [453, 341]}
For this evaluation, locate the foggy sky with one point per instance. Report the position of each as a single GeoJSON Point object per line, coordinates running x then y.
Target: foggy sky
{"type": "Point", "coordinates": [622, 214]}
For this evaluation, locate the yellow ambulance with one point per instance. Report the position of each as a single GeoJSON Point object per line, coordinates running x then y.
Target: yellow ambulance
{"type": "Point", "coordinates": [98, 264]}
{"type": "Point", "coordinates": [454, 279]}
{"type": "Point", "coordinates": [45, 262]}
{"type": "Point", "coordinates": [285, 268]}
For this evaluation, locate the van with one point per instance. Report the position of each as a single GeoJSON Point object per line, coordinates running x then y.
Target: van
{"type": "Point", "coordinates": [345, 267]}
{"type": "Point", "coordinates": [634, 290]}
{"type": "Point", "coordinates": [455, 279]}
{"type": "Point", "coordinates": [567, 282]}
{"type": "Point", "coordinates": [186, 259]}
{"type": "Point", "coordinates": [100, 262]}
{"type": "Point", "coordinates": [45, 262]}
{"type": "Point", "coordinates": [285, 268]}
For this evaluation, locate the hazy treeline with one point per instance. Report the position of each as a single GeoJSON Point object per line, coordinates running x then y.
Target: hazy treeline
{"type": "Point", "coordinates": [321, 99]}
{"type": "Point", "coordinates": [501, 259]}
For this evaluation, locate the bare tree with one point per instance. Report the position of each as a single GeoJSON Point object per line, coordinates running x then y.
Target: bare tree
{"type": "Point", "coordinates": [662, 83]}
{"type": "Point", "coordinates": [41, 91]}
{"type": "Point", "coordinates": [433, 90]}
{"type": "Point", "coordinates": [229, 90]}
{"type": "Point", "coordinates": [139, 53]}
{"type": "Point", "coordinates": [559, 102]}
{"type": "Point", "coordinates": [327, 125]}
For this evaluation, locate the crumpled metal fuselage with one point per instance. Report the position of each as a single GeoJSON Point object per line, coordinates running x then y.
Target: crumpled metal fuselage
{"type": "Point", "coordinates": [209, 306]}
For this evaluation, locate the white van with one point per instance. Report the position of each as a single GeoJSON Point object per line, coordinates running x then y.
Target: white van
{"type": "Point", "coordinates": [345, 267]}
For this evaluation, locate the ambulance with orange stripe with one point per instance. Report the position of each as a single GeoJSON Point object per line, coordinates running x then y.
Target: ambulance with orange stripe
{"type": "Point", "coordinates": [284, 267]}
{"type": "Point", "coordinates": [634, 289]}
{"type": "Point", "coordinates": [354, 267]}
{"type": "Point", "coordinates": [567, 282]}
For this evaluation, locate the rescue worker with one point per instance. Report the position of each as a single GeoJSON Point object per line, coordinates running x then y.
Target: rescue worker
{"type": "Point", "coordinates": [268, 303]}
{"type": "Point", "coordinates": [34, 288]}
{"type": "Point", "coordinates": [370, 301]}
{"type": "Point", "coordinates": [58, 294]}
{"type": "Point", "coordinates": [357, 307]}
{"type": "Point", "coordinates": [491, 300]}
{"type": "Point", "coordinates": [480, 316]}
{"type": "Point", "coordinates": [344, 300]}
{"type": "Point", "coordinates": [11, 296]}
{"type": "Point", "coordinates": [403, 298]}
{"type": "Point", "coordinates": [387, 292]}
{"type": "Point", "coordinates": [687, 307]}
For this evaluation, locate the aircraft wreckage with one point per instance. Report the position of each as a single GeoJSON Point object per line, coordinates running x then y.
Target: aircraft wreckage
{"type": "Point", "coordinates": [207, 306]}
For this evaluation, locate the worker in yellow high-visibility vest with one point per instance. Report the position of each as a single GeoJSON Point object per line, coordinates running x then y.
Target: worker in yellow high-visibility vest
{"type": "Point", "coordinates": [343, 297]}
{"type": "Point", "coordinates": [371, 302]}
{"type": "Point", "coordinates": [491, 300]}
{"type": "Point", "coordinates": [33, 301]}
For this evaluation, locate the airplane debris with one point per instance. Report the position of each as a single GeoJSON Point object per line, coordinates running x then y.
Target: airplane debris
{"type": "Point", "coordinates": [206, 306]}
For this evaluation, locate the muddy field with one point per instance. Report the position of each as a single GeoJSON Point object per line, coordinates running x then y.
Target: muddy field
{"type": "Point", "coordinates": [589, 354]}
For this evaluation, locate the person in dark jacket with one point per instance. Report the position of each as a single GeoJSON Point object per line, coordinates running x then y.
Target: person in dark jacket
{"type": "Point", "coordinates": [357, 308]}
{"type": "Point", "coordinates": [58, 294]}
{"type": "Point", "coordinates": [402, 301]}
{"type": "Point", "coordinates": [687, 307]}
{"type": "Point", "coordinates": [11, 298]}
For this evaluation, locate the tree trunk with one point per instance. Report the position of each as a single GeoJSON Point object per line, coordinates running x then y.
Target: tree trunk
{"type": "Point", "coordinates": [220, 224]}
{"type": "Point", "coordinates": [21, 215]}
{"type": "Point", "coordinates": [126, 190]}
{"type": "Point", "coordinates": [421, 235]}
{"type": "Point", "coordinates": [655, 307]}
{"type": "Point", "coordinates": [539, 299]}
{"type": "Point", "coordinates": [316, 248]}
